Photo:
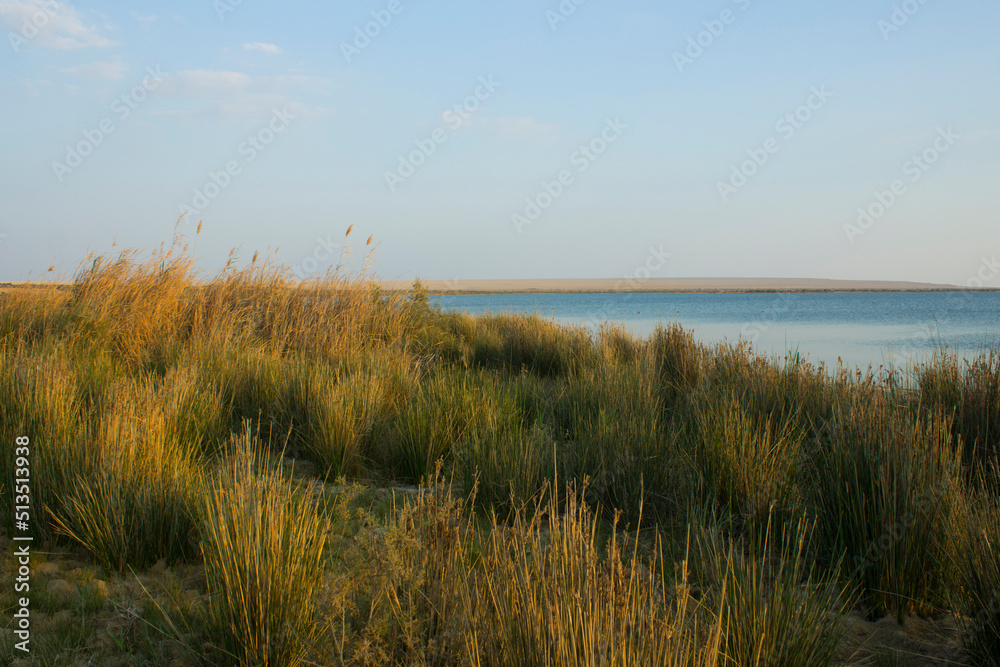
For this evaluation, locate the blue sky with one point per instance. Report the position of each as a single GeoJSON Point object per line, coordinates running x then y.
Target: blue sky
{"type": "Point", "coordinates": [446, 134]}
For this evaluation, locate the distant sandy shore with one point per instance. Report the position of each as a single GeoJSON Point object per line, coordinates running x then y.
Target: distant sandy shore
{"type": "Point", "coordinates": [603, 286]}
{"type": "Point", "coordinates": [611, 285]}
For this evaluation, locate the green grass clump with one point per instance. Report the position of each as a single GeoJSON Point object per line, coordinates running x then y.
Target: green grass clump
{"type": "Point", "coordinates": [447, 410]}
{"type": "Point", "coordinates": [615, 434]}
{"type": "Point", "coordinates": [777, 609]}
{"type": "Point", "coordinates": [555, 592]}
{"type": "Point", "coordinates": [976, 560]}
{"type": "Point", "coordinates": [881, 488]}
{"type": "Point", "coordinates": [331, 416]}
{"type": "Point", "coordinates": [263, 543]}
{"type": "Point", "coordinates": [748, 464]}
{"type": "Point", "coordinates": [196, 413]}
{"type": "Point", "coordinates": [134, 503]}
{"type": "Point", "coordinates": [515, 343]}
{"type": "Point", "coordinates": [506, 464]}
{"type": "Point", "coordinates": [40, 399]}
{"type": "Point", "coordinates": [678, 362]}
{"type": "Point", "coordinates": [970, 392]}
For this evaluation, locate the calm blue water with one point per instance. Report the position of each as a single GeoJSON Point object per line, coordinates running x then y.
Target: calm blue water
{"type": "Point", "coordinates": [890, 329]}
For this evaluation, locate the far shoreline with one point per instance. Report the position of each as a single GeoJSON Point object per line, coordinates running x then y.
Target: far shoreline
{"type": "Point", "coordinates": [557, 286]}
{"type": "Point", "coordinates": [672, 286]}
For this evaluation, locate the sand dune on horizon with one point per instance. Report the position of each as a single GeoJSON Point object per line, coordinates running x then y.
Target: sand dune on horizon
{"type": "Point", "coordinates": [605, 285]}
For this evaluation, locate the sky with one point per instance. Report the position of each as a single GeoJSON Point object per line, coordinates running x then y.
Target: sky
{"type": "Point", "coordinates": [576, 139]}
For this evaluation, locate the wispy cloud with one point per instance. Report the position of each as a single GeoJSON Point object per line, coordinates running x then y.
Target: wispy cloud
{"type": "Point", "coordinates": [36, 86]}
{"type": "Point", "coordinates": [981, 136]}
{"type": "Point", "coordinates": [236, 95]}
{"type": "Point", "coordinates": [262, 47]}
{"type": "Point", "coordinates": [104, 70]}
{"type": "Point", "coordinates": [50, 24]}
{"type": "Point", "coordinates": [205, 83]}
{"type": "Point", "coordinates": [975, 137]}
{"type": "Point", "coordinates": [901, 139]}
{"type": "Point", "coordinates": [144, 20]}
{"type": "Point", "coordinates": [519, 127]}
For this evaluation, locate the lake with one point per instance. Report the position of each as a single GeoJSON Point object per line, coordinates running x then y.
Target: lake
{"type": "Point", "coordinates": [861, 329]}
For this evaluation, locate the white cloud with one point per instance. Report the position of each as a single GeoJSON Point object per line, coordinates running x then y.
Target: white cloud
{"type": "Point", "coordinates": [981, 136]}
{"type": "Point", "coordinates": [310, 84]}
{"type": "Point", "coordinates": [902, 138]}
{"type": "Point", "coordinates": [966, 137]}
{"type": "Point", "coordinates": [235, 95]}
{"type": "Point", "coordinates": [205, 83]}
{"type": "Point", "coordinates": [520, 126]}
{"type": "Point", "coordinates": [49, 24]}
{"type": "Point", "coordinates": [262, 47]}
{"type": "Point", "coordinates": [35, 86]}
{"type": "Point", "coordinates": [106, 70]}
{"type": "Point", "coordinates": [144, 20]}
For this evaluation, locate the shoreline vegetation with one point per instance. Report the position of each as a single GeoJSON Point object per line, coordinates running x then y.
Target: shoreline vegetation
{"type": "Point", "coordinates": [248, 471]}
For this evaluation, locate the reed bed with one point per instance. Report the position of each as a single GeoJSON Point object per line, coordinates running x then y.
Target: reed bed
{"type": "Point", "coordinates": [567, 497]}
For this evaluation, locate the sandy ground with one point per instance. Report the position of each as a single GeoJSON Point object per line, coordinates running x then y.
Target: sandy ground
{"type": "Point", "coordinates": [919, 642]}
{"type": "Point", "coordinates": [570, 286]}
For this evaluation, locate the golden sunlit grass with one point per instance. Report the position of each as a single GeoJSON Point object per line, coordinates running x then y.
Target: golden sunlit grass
{"type": "Point", "coordinates": [585, 498]}
{"type": "Point", "coordinates": [263, 544]}
{"type": "Point", "coordinates": [134, 502]}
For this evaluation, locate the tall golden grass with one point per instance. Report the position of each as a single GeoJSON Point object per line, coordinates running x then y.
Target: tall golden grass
{"type": "Point", "coordinates": [263, 544]}
{"type": "Point", "coordinates": [610, 500]}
